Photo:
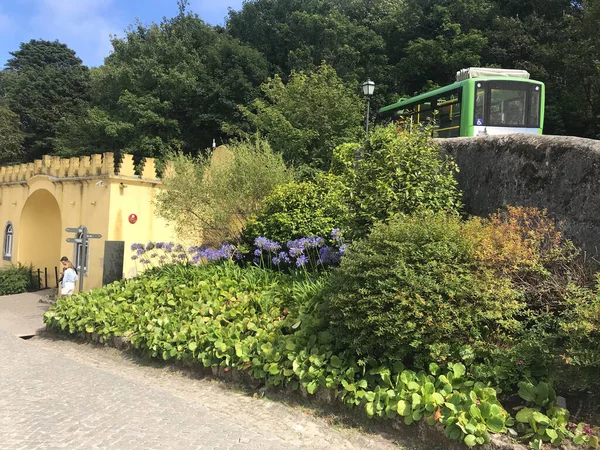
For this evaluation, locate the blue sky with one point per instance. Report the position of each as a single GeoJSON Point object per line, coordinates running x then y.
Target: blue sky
{"type": "Point", "coordinates": [85, 25]}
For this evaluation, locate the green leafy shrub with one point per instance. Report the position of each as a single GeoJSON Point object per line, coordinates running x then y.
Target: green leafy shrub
{"type": "Point", "coordinates": [525, 245]}
{"type": "Point", "coordinates": [559, 334]}
{"type": "Point", "coordinates": [259, 323]}
{"type": "Point", "coordinates": [15, 280]}
{"type": "Point", "coordinates": [579, 335]}
{"type": "Point", "coordinates": [401, 173]}
{"type": "Point", "coordinates": [300, 209]}
{"type": "Point", "coordinates": [413, 290]}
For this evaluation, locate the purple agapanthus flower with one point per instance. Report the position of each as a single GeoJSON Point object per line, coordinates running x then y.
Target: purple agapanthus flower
{"type": "Point", "coordinates": [263, 243]}
{"type": "Point", "coordinates": [296, 251]}
{"type": "Point", "coordinates": [149, 246]}
{"type": "Point", "coordinates": [301, 261]}
{"type": "Point", "coordinates": [328, 255]}
{"type": "Point", "coordinates": [283, 256]}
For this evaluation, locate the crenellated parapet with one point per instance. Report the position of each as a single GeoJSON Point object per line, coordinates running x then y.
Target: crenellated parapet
{"type": "Point", "coordinates": [94, 166]}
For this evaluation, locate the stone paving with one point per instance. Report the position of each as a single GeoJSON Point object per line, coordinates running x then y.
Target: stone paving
{"type": "Point", "coordinates": [57, 393]}
{"type": "Point", "coordinates": [21, 314]}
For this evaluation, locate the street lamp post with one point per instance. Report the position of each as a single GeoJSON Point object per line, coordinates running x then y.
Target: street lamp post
{"type": "Point", "coordinates": [368, 89]}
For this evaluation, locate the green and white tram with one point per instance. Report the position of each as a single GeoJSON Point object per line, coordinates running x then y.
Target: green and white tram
{"type": "Point", "coordinates": [481, 102]}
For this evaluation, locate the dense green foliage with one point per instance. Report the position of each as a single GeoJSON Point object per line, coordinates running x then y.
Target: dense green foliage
{"type": "Point", "coordinates": [298, 209]}
{"type": "Point", "coordinates": [44, 82]}
{"type": "Point", "coordinates": [412, 290]}
{"type": "Point", "coordinates": [307, 117]}
{"type": "Point", "coordinates": [209, 199]}
{"type": "Point", "coordinates": [253, 321]}
{"type": "Point", "coordinates": [408, 47]}
{"type": "Point", "coordinates": [11, 137]}
{"type": "Point", "coordinates": [174, 85]}
{"type": "Point", "coordinates": [261, 325]}
{"type": "Point", "coordinates": [401, 173]}
{"type": "Point", "coordinates": [166, 87]}
{"type": "Point", "coordinates": [15, 280]}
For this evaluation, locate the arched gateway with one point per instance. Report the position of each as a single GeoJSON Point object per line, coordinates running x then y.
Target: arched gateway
{"type": "Point", "coordinates": [40, 200]}
{"type": "Point", "coordinates": [40, 235]}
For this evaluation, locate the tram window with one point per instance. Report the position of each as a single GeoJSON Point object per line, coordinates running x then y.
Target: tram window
{"type": "Point", "coordinates": [479, 105]}
{"type": "Point", "coordinates": [533, 119]}
{"type": "Point", "coordinates": [507, 107]}
{"type": "Point", "coordinates": [448, 117]}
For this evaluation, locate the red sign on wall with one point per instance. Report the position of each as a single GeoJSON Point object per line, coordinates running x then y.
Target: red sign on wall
{"type": "Point", "coordinates": [132, 218]}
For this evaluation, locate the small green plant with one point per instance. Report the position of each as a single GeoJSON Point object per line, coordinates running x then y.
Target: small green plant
{"type": "Point", "coordinates": [541, 421]}
{"type": "Point", "coordinates": [587, 435]}
{"type": "Point", "coordinates": [16, 279]}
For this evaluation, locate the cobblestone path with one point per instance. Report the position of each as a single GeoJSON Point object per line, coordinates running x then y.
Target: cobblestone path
{"type": "Point", "coordinates": [61, 394]}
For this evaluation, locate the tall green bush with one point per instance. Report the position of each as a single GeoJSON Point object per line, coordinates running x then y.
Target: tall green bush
{"type": "Point", "coordinates": [207, 198]}
{"type": "Point", "coordinates": [401, 173]}
{"type": "Point", "coordinates": [413, 290]}
{"type": "Point", "coordinates": [301, 209]}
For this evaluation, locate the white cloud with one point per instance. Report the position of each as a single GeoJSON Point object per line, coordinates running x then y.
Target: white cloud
{"type": "Point", "coordinates": [84, 25]}
{"type": "Point", "coordinates": [6, 23]}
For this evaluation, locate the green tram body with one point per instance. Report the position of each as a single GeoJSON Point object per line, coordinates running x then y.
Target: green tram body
{"type": "Point", "coordinates": [489, 105]}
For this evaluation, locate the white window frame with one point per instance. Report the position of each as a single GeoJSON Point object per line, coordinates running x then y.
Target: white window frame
{"type": "Point", "coordinates": [9, 238]}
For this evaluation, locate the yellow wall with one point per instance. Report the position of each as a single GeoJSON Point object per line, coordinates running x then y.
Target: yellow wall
{"type": "Point", "coordinates": [40, 233]}
{"type": "Point", "coordinates": [43, 198]}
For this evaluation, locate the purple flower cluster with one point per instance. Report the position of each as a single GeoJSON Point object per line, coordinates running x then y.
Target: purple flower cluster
{"type": "Point", "coordinates": [262, 243]}
{"type": "Point", "coordinates": [308, 251]}
{"type": "Point", "coordinates": [149, 253]}
{"type": "Point", "coordinates": [203, 253]}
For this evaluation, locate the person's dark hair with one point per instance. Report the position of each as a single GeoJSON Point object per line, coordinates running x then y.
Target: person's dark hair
{"type": "Point", "coordinates": [64, 259]}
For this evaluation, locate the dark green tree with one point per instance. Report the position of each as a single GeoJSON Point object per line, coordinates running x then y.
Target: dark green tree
{"type": "Point", "coordinates": [43, 82]}
{"type": "Point", "coordinates": [306, 118]}
{"type": "Point", "coordinates": [299, 35]}
{"type": "Point", "coordinates": [167, 86]}
{"type": "Point", "coordinates": [11, 137]}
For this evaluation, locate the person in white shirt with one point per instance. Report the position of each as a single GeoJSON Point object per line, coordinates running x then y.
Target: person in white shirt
{"type": "Point", "coordinates": [69, 278]}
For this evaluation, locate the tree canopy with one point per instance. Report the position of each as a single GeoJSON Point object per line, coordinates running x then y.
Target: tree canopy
{"type": "Point", "coordinates": [306, 118]}
{"type": "Point", "coordinates": [43, 82]}
{"type": "Point", "coordinates": [167, 86]}
{"type": "Point", "coordinates": [179, 84]}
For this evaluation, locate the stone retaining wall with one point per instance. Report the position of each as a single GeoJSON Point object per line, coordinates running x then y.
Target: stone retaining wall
{"type": "Point", "coordinates": [558, 173]}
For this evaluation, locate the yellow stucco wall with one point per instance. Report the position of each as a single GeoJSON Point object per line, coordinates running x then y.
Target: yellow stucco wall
{"type": "Point", "coordinates": [43, 198]}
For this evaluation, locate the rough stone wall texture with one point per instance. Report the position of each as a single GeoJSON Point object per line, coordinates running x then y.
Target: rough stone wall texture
{"type": "Point", "coordinates": [558, 173]}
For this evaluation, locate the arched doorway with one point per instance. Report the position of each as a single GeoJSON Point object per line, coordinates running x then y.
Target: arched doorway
{"type": "Point", "coordinates": [40, 233]}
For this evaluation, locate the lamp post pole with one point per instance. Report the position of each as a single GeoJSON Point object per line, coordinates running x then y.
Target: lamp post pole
{"type": "Point", "coordinates": [368, 89]}
{"type": "Point", "coordinates": [367, 121]}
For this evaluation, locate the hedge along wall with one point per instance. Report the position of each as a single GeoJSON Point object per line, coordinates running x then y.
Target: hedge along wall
{"type": "Point", "coordinates": [558, 173]}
